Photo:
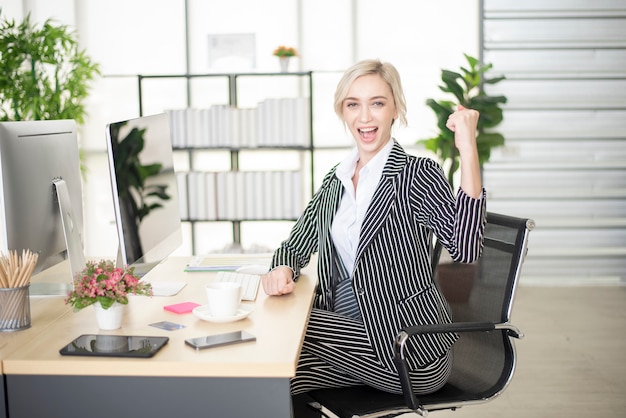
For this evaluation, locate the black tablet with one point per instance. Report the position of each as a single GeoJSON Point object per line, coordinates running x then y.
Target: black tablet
{"type": "Point", "coordinates": [114, 346]}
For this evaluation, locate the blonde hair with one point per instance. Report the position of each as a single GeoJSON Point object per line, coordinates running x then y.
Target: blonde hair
{"type": "Point", "coordinates": [366, 67]}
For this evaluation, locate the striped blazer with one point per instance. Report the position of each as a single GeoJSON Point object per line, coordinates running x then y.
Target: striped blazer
{"type": "Point", "coordinates": [392, 278]}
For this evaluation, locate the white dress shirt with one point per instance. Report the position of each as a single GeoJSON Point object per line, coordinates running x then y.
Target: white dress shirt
{"type": "Point", "coordinates": [347, 223]}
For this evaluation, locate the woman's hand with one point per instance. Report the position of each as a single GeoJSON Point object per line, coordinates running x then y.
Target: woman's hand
{"type": "Point", "coordinates": [279, 281]}
{"type": "Point", "coordinates": [463, 122]}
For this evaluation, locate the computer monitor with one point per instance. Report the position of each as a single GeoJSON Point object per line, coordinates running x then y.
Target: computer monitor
{"type": "Point", "coordinates": [145, 192]}
{"type": "Point", "coordinates": [41, 206]}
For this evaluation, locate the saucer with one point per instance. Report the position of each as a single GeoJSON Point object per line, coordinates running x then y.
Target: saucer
{"type": "Point", "coordinates": [203, 313]}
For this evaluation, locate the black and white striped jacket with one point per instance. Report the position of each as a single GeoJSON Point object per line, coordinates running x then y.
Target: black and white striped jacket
{"type": "Point", "coordinates": [392, 277]}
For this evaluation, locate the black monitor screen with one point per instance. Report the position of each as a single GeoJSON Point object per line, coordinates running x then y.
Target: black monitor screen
{"type": "Point", "coordinates": [145, 192]}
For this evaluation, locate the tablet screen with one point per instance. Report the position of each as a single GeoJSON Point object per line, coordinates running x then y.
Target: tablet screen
{"type": "Point", "coordinates": [114, 346]}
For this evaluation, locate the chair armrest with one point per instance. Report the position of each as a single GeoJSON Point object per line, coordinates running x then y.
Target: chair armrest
{"type": "Point", "coordinates": [512, 330]}
{"type": "Point", "coordinates": [443, 328]}
{"type": "Point", "coordinates": [403, 371]}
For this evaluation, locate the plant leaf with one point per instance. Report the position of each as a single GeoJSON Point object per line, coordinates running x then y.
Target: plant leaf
{"type": "Point", "coordinates": [449, 79]}
{"type": "Point", "coordinates": [469, 93]}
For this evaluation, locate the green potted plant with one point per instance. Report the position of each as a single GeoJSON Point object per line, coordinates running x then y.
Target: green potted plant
{"type": "Point", "coordinates": [45, 75]}
{"type": "Point", "coordinates": [466, 87]}
{"type": "Point", "coordinates": [456, 280]}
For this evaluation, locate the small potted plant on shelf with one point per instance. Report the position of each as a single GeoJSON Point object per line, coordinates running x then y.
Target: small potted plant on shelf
{"type": "Point", "coordinates": [284, 54]}
{"type": "Point", "coordinates": [106, 287]}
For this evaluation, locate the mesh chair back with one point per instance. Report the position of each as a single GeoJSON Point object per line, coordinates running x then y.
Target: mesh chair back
{"type": "Point", "coordinates": [484, 362]}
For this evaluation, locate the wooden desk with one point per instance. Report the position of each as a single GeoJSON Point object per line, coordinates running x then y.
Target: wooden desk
{"type": "Point", "coordinates": [44, 311]}
{"type": "Point", "coordinates": [244, 380]}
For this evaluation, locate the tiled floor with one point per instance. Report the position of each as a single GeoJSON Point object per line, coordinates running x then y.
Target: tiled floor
{"type": "Point", "coordinates": [572, 361]}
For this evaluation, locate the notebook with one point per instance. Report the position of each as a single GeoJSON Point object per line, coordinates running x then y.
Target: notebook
{"type": "Point", "coordinates": [227, 262]}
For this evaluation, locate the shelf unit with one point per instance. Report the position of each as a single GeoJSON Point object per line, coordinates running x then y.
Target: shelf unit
{"type": "Point", "coordinates": [234, 152]}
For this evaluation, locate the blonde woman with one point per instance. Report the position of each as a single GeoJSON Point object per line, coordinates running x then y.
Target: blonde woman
{"type": "Point", "coordinates": [372, 223]}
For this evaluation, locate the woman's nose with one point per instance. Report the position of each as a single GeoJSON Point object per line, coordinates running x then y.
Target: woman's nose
{"type": "Point", "coordinates": [365, 115]}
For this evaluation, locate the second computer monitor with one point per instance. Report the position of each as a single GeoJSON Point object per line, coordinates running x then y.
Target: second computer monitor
{"type": "Point", "coordinates": [145, 193]}
{"type": "Point", "coordinates": [41, 206]}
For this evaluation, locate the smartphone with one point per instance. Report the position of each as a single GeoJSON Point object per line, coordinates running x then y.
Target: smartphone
{"type": "Point", "coordinates": [209, 341]}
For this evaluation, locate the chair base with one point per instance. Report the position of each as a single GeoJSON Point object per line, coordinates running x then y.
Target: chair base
{"type": "Point", "coordinates": [359, 401]}
{"type": "Point", "coordinates": [301, 407]}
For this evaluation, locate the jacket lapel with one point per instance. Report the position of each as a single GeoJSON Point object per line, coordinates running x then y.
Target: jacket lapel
{"type": "Point", "coordinates": [331, 200]}
{"type": "Point", "coordinates": [383, 198]}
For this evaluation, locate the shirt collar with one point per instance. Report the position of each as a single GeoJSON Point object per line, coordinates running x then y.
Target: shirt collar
{"type": "Point", "coordinates": [345, 169]}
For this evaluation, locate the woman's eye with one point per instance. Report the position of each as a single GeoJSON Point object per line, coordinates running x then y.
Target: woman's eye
{"type": "Point", "coordinates": [349, 105]}
{"type": "Point", "coordinates": [378, 104]}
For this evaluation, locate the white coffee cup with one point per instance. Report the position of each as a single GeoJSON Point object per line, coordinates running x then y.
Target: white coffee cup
{"type": "Point", "coordinates": [224, 298]}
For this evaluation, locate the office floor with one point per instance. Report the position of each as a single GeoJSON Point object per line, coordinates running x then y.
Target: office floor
{"type": "Point", "coordinates": [572, 360]}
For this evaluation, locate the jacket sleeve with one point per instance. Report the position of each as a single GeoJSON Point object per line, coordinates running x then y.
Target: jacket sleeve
{"type": "Point", "coordinates": [469, 227]}
{"type": "Point", "coordinates": [458, 222]}
{"type": "Point", "coordinates": [295, 252]}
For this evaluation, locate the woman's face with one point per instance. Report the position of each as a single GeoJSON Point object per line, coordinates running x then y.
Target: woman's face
{"type": "Point", "coordinates": [369, 111]}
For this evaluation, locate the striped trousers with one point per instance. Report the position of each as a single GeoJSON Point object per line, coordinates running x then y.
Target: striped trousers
{"type": "Point", "coordinates": [337, 353]}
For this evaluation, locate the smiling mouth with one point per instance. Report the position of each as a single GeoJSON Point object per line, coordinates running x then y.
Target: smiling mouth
{"type": "Point", "coordinates": [368, 133]}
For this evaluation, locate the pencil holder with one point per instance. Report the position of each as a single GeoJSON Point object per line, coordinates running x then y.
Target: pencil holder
{"type": "Point", "coordinates": [14, 308]}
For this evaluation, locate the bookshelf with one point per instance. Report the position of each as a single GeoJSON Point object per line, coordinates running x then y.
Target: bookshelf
{"type": "Point", "coordinates": [235, 195]}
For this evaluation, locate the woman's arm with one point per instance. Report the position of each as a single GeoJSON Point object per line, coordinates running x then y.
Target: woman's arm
{"type": "Point", "coordinates": [295, 252]}
{"type": "Point", "coordinates": [463, 123]}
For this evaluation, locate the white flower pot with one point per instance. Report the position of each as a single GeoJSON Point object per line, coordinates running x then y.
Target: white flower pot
{"type": "Point", "coordinates": [284, 64]}
{"type": "Point", "coordinates": [109, 319]}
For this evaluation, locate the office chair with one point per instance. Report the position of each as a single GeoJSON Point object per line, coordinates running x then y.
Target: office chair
{"type": "Point", "coordinates": [484, 355]}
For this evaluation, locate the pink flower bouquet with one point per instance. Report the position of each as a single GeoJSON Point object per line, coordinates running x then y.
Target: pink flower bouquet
{"type": "Point", "coordinates": [103, 282]}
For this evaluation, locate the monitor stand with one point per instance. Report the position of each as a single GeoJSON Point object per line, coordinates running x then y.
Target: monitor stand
{"type": "Point", "coordinates": [73, 244]}
{"type": "Point", "coordinates": [139, 269]}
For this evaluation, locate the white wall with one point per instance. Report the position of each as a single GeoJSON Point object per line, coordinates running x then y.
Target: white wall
{"type": "Point", "coordinates": [148, 37]}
